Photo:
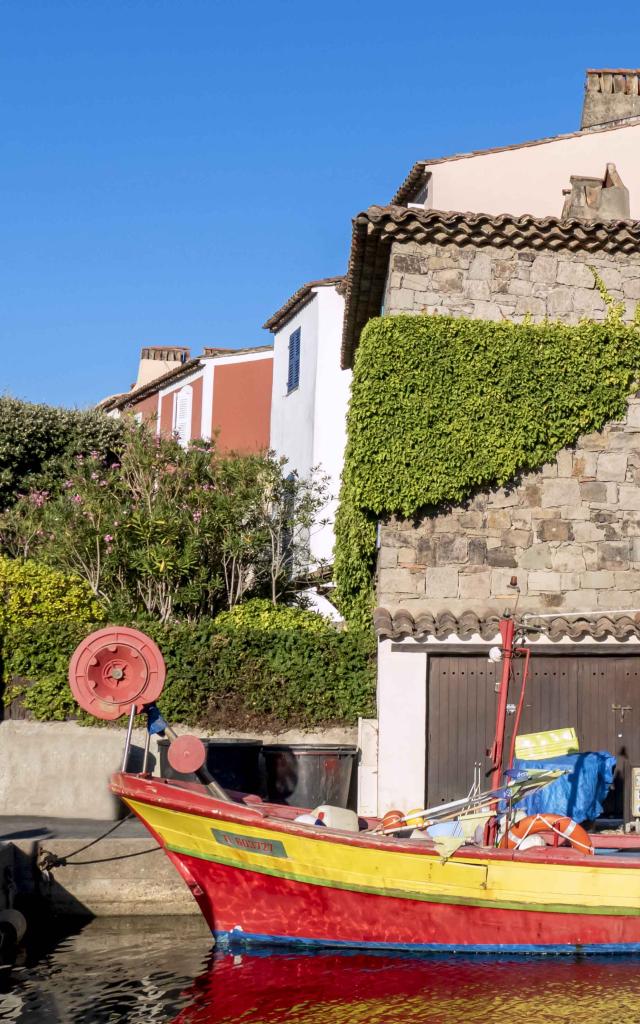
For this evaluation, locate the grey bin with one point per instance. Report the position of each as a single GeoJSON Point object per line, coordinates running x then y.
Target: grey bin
{"type": "Point", "coordinates": [234, 764]}
{"type": "Point", "coordinates": [304, 776]}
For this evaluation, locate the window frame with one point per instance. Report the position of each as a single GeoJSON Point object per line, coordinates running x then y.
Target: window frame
{"type": "Point", "coordinates": [293, 366]}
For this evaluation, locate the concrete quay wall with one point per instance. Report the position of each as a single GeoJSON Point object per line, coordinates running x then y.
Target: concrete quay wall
{"type": "Point", "coordinates": [62, 769]}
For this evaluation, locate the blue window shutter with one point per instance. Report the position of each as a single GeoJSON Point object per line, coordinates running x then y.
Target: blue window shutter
{"type": "Point", "coordinates": [293, 376]}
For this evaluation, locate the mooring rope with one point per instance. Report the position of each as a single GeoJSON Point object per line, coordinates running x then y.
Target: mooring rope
{"type": "Point", "coordinates": [48, 860]}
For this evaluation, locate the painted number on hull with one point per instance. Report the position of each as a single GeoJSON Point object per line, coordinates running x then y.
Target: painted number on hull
{"type": "Point", "coordinates": [250, 844]}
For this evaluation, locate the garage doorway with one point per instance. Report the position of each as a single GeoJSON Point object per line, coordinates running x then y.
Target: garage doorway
{"type": "Point", "coordinates": [598, 694]}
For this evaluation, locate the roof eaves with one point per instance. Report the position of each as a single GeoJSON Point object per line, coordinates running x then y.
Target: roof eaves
{"type": "Point", "coordinates": [417, 172]}
{"type": "Point", "coordinates": [377, 228]}
{"type": "Point", "coordinates": [297, 301]}
{"type": "Point", "coordinates": [401, 623]}
{"type": "Point", "coordinates": [171, 377]}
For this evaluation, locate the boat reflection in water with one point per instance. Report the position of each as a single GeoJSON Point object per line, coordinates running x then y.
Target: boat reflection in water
{"type": "Point", "coordinates": [138, 971]}
{"type": "Point", "coordinates": [357, 988]}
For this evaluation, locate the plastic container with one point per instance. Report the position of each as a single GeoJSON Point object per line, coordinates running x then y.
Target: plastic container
{"type": "Point", "coordinates": [305, 776]}
{"type": "Point", "coordinates": [234, 764]}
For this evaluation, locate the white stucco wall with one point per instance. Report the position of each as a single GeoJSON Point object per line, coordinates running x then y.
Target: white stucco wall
{"type": "Point", "coordinates": [308, 426]}
{"type": "Point", "coordinates": [530, 179]}
{"type": "Point", "coordinates": [292, 412]}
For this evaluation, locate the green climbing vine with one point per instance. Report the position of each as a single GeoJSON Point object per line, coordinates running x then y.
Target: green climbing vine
{"type": "Point", "coordinates": [442, 406]}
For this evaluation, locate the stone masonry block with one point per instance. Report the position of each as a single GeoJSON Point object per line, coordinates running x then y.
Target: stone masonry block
{"type": "Point", "coordinates": [577, 275]}
{"type": "Point", "coordinates": [477, 289]}
{"type": "Point", "coordinates": [610, 599]}
{"type": "Point", "coordinates": [587, 300]}
{"type": "Point", "coordinates": [541, 581]}
{"type": "Point", "coordinates": [629, 580]}
{"type": "Point", "coordinates": [502, 556]}
{"type": "Point", "coordinates": [388, 558]}
{"type": "Point", "coordinates": [631, 289]}
{"type": "Point", "coordinates": [560, 492]}
{"type": "Point", "coordinates": [612, 466]}
{"type": "Point", "coordinates": [599, 580]}
{"type": "Point", "coordinates": [498, 519]}
{"type": "Point", "coordinates": [474, 585]}
{"type": "Point", "coordinates": [581, 600]}
{"type": "Point", "coordinates": [585, 464]}
{"type": "Point", "coordinates": [629, 497]}
{"type": "Point", "coordinates": [564, 460]}
{"type": "Point", "coordinates": [480, 268]}
{"type": "Point", "coordinates": [454, 548]}
{"type": "Point", "coordinates": [500, 579]}
{"type": "Point", "coordinates": [568, 558]}
{"type": "Point", "coordinates": [400, 582]}
{"type": "Point", "coordinates": [544, 268]}
{"type": "Point", "coordinates": [441, 582]}
{"type": "Point", "coordinates": [559, 301]}
{"type": "Point", "coordinates": [593, 490]}
{"type": "Point", "coordinates": [448, 280]}
{"type": "Point", "coordinates": [536, 557]}
{"type": "Point", "coordinates": [554, 530]}
{"type": "Point", "coordinates": [614, 554]}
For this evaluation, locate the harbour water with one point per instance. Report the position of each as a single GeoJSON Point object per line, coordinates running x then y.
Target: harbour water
{"type": "Point", "coordinates": [164, 970]}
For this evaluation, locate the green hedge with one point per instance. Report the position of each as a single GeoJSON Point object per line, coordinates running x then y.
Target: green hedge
{"type": "Point", "coordinates": [254, 667]}
{"type": "Point", "coordinates": [35, 440]}
{"type": "Point", "coordinates": [443, 406]}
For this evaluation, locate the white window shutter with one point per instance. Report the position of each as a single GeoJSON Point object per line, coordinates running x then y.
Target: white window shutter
{"type": "Point", "coordinates": [182, 421]}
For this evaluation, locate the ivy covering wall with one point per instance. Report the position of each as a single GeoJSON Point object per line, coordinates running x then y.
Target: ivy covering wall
{"type": "Point", "coordinates": [444, 406]}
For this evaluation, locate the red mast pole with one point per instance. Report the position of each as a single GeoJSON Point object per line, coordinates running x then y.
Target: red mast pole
{"type": "Point", "coordinates": [507, 627]}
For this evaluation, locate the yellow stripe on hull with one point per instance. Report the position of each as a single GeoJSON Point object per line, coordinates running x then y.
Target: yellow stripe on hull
{"type": "Point", "coordinates": [575, 887]}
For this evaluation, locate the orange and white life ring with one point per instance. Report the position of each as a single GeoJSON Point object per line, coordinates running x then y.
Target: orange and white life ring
{"type": "Point", "coordinates": [566, 828]}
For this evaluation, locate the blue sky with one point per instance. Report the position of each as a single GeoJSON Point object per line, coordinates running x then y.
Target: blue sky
{"type": "Point", "coordinates": [171, 170]}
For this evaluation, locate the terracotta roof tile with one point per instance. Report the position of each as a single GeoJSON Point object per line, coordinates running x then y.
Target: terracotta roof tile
{"type": "Point", "coordinates": [296, 302]}
{"type": "Point", "coordinates": [400, 624]}
{"type": "Point", "coordinates": [377, 228]}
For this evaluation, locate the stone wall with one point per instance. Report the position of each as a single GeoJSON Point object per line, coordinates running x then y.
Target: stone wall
{"type": "Point", "coordinates": [507, 284]}
{"type": "Point", "coordinates": [570, 533]}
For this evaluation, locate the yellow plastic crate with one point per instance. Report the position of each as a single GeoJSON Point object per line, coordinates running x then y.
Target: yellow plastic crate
{"type": "Point", "coordinates": [535, 745]}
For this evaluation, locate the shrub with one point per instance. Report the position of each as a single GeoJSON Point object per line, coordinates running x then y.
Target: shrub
{"type": "Point", "coordinates": [35, 441]}
{"type": "Point", "coordinates": [43, 616]}
{"type": "Point", "coordinates": [256, 666]}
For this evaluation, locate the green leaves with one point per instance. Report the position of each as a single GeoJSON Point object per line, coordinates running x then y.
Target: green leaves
{"type": "Point", "coordinates": [442, 406]}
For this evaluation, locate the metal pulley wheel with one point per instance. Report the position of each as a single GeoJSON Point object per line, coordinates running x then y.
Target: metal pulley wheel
{"type": "Point", "coordinates": [114, 669]}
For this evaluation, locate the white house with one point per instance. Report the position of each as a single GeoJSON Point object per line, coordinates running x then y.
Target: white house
{"type": "Point", "coordinates": [310, 392]}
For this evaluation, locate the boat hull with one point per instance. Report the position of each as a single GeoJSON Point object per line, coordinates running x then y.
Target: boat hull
{"type": "Point", "coordinates": [260, 879]}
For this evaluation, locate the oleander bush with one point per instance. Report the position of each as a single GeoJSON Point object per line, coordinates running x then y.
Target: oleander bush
{"type": "Point", "coordinates": [36, 441]}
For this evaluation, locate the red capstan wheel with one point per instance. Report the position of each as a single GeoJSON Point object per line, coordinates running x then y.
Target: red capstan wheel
{"type": "Point", "coordinates": [187, 754]}
{"type": "Point", "coordinates": [115, 668]}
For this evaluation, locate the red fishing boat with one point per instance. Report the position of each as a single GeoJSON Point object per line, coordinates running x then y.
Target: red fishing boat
{"type": "Point", "coordinates": [260, 876]}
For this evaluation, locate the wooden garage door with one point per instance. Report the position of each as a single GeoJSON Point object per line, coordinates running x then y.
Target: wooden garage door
{"type": "Point", "coordinates": [598, 694]}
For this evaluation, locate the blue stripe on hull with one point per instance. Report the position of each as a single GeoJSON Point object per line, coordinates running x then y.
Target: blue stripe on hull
{"type": "Point", "coordinates": [239, 937]}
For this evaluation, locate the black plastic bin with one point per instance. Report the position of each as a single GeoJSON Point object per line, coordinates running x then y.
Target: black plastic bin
{"type": "Point", "coordinates": [304, 776]}
{"type": "Point", "coordinates": [234, 764]}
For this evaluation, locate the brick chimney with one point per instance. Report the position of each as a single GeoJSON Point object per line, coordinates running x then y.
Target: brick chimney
{"type": "Point", "coordinates": [610, 97]}
{"type": "Point", "coordinates": [158, 359]}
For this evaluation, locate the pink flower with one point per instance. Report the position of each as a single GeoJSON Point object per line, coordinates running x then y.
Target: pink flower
{"type": "Point", "coordinates": [94, 476]}
{"type": "Point", "coordinates": [77, 499]}
{"type": "Point", "coordinates": [67, 484]}
{"type": "Point", "coordinates": [107, 538]}
{"type": "Point", "coordinates": [197, 516]}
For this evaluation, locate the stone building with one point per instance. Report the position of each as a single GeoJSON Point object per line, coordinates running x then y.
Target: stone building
{"type": "Point", "coordinates": [559, 548]}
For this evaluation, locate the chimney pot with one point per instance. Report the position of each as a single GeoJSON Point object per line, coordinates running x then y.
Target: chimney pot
{"type": "Point", "coordinates": [611, 97]}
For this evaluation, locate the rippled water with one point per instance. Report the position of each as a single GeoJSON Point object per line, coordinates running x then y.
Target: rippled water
{"type": "Point", "coordinates": [164, 970]}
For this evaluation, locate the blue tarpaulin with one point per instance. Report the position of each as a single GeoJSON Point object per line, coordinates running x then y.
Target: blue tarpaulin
{"type": "Point", "coordinates": [578, 795]}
